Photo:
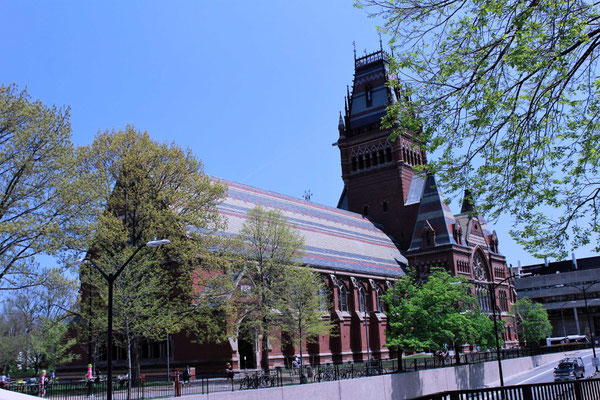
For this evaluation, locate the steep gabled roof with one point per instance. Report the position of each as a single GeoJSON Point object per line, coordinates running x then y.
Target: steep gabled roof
{"type": "Point", "coordinates": [334, 239]}
{"type": "Point", "coordinates": [433, 210]}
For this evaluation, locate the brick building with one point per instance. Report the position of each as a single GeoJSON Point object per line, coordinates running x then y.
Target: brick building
{"type": "Point", "coordinates": [388, 218]}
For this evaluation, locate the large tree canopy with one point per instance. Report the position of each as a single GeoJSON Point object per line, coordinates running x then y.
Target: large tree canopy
{"type": "Point", "coordinates": [507, 92]}
{"type": "Point", "coordinates": [36, 208]}
{"type": "Point", "coordinates": [426, 315]}
{"type": "Point", "coordinates": [533, 323]}
{"type": "Point", "coordinates": [271, 248]}
{"type": "Point", "coordinates": [145, 190]}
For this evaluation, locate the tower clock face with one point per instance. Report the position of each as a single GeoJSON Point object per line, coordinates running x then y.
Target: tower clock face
{"type": "Point", "coordinates": [478, 268]}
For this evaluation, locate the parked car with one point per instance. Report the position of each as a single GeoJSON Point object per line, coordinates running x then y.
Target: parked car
{"type": "Point", "coordinates": [569, 368]}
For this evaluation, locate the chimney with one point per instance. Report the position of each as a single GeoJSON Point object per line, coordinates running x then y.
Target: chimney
{"type": "Point", "coordinates": [574, 260]}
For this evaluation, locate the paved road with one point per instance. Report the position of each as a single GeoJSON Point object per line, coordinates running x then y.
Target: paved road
{"type": "Point", "coordinates": [545, 373]}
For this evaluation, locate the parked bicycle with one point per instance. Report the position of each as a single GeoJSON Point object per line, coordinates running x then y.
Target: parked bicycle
{"type": "Point", "coordinates": [257, 380]}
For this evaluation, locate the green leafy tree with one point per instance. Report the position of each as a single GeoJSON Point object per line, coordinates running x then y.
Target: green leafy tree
{"type": "Point", "coordinates": [271, 249]}
{"type": "Point", "coordinates": [34, 324]}
{"type": "Point", "coordinates": [50, 344]}
{"type": "Point", "coordinates": [303, 306]}
{"type": "Point", "coordinates": [428, 314]}
{"type": "Point", "coordinates": [148, 190]}
{"type": "Point", "coordinates": [507, 93]}
{"type": "Point", "coordinates": [532, 318]}
{"type": "Point", "coordinates": [37, 208]}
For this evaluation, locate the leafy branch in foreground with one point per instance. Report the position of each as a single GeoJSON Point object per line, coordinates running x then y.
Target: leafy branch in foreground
{"type": "Point", "coordinates": [507, 93]}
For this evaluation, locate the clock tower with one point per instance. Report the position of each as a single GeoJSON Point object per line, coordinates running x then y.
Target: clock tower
{"type": "Point", "coordinates": [378, 175]}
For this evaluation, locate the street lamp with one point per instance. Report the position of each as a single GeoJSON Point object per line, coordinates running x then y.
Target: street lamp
{"type": "Point", "coordinates": [110, 278]}
{"type": "Point", "coordinates": [587, 313]}
{"type": "Point", "coordinates": [367, 337]}
{"type": "Point", "coordinates": [493, 293]}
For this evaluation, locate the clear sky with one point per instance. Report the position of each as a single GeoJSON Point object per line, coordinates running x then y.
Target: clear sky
{"type": "Point", "coordinates": [254, 88]}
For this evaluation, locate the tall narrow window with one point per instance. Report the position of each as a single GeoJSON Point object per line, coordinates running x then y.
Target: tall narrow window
{"type": "Point", "coordinates": [369, 95]}
{"type": "Point", "coordinates": [343, 298]}
{"type": "Point", "coordinates": [388, 154]}
{"type": "Point", "coordinates": [379, 300]}
{"type": "Point", "coordinates": [386, 206]}
{"type": "Point", "coordinates": [323, 299]}
{"type": "Point", "coordinates": [365, 210]}
{"type": "Point", "coordinates": [362, 301]}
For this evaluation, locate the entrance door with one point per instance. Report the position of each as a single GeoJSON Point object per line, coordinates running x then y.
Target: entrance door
{"type": "Point", "coordinates": [246, 341]}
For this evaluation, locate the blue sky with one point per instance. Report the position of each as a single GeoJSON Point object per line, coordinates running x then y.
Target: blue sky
{"type": "Point", "coordinates": [253, 88]}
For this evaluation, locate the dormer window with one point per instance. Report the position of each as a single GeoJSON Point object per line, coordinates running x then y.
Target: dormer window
{"type": "Point", "coordinates": [369, 95]}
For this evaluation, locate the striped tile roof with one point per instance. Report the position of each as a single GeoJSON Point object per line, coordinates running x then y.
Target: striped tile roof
{"type": "Point", "coordinates": [433, 210]}
{"type": "Point", "coordinates": [334, 239]}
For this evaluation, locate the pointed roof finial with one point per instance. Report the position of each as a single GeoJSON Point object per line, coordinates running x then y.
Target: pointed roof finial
{"type": "Point", "coordinates": [380, 43]}
{"type": "Point", "coordinates": [354, 46]}
{"type": "Point", "coordinates": [341, 123]}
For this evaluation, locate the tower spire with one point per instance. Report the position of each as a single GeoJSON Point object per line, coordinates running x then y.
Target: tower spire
{"type": "Point", "coordinates": [354, 46]}
{"type": "Point", "coordinates": [380, 43]}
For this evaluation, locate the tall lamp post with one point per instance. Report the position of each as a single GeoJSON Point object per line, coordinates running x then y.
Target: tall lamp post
{"type": "Point", "coordinates": [493, 294]}
{"type": "Point", "coordinates": [367, 337]}
{"type": "Point", "coordinates": [110, 278]}
{"type": "Point", "coordinates": [587, 313]}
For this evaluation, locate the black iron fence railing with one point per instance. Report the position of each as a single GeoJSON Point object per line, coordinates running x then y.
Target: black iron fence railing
{"type": "Point", "coordinates": [204, 383]}
{"type": "Point", "coordinates": [588, 389]}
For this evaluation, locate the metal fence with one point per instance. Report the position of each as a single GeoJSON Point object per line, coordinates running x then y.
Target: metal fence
{"type": "Point", "coordinates": [244, 380]}
{"type": "Point", "coordinates": [588, 389]}
{"type": "Point", "coordinates": [415, 364]}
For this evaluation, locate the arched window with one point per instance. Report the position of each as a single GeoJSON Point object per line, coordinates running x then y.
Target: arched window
{"type": "Point", "coordinates": [503, 300]}
{"type": "Point", "coordinates": [343, 298]}
{"type": "Point", "coordinates": [362, 300]}
{"type": "Point", "coordinates": [374, 158]}
{"type": "Point", "coordinates": [482, 296]}
{"type": "Point", "coordinates": [479, 272]}
{"type": "Point", "coordinates": [379, 300]}
{"type": "Point", "coordinates": [323, 299]}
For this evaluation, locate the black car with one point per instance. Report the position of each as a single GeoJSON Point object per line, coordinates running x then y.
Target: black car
{"type": "Point", "coordinates": [569, 368]}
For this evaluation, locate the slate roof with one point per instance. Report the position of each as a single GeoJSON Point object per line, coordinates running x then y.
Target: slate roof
{"type": "Point", "coordinates": [334, 239]}
{"type": "Point", "coordinates": [370, 71]}
{"type": "Point", "coordinates": [434, 210]}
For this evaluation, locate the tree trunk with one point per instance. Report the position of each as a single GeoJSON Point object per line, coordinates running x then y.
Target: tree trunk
{"type": "Point", "coordinates": [265, 347]}
{"type": "Point", "coordinates": [128, 338]}
{"type": "Point", "coordinates": [457, 352]}
{"type": "Point", "coordinates": [400, 366]}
